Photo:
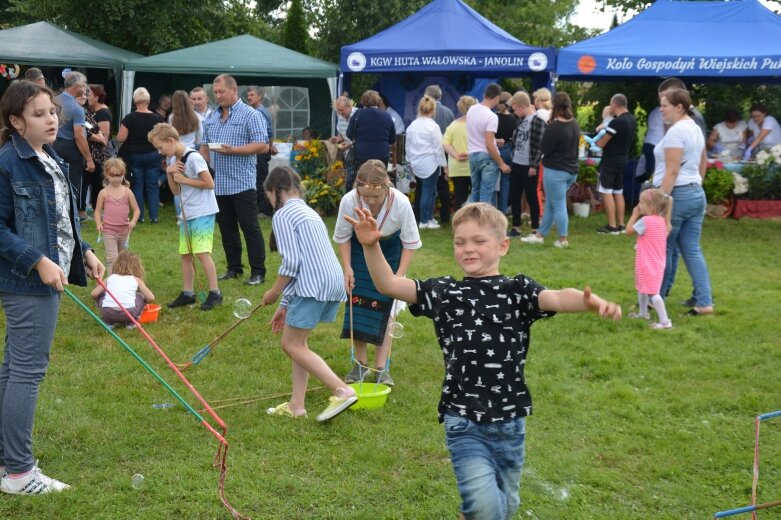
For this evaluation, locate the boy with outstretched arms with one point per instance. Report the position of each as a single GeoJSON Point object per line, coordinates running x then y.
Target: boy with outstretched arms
{"type": "Point", "coordinates": [482, 324]}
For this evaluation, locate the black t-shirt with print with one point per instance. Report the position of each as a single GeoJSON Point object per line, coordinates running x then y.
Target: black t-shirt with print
{"type": "Point", "coordinates": [482, 325]}
{"type": "Point", "coordinates": [624, 136]}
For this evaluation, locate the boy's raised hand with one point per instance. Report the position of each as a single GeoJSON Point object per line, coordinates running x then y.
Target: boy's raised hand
{"type": "Point", "coordinates": [601, 306]}
{"type": "Point", "coordinates": [365, 227]}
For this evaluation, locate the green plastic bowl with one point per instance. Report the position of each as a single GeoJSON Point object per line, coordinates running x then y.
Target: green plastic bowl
{"type": "Point", "coordinates": [370, 395]}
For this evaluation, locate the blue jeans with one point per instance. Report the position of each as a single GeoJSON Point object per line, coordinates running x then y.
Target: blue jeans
{"type": "Point", "coordinates": [146, 171]}
{"type": "Point", "coordinates": [29, 332]}
{"type": "Point", "coordinates": [687, 218]}
{"type": "Point", "coordinates": [428, 194]}
{"type": "Point", "coordinates": [556, 184]}
{"type": "Point", "coordinates": [487, 460]}
{"type": "Point", "coordinates": [502, 202]}
{"type": "Point", "coordinates": [485, 172]}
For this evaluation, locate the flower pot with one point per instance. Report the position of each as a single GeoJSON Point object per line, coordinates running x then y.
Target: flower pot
{"type": "Point", "coordinates": [581, 209]}
{"type": "Point", "coordinates": [722, 210]}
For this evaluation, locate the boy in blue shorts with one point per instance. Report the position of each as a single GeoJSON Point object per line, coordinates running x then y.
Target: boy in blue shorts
{"type": "Point", "coordinates": [482, 324]}
{"type": "Point", "coordinates": [189, 176]}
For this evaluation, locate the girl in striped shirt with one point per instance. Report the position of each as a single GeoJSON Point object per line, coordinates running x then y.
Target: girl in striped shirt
{"type": "Point", "coordinates": [650, 220]}
{"type": "Point", "coordinates": [311, 284]}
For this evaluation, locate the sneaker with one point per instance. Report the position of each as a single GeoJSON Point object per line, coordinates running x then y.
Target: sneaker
{"type": "Point", "coordinates": [181, 301]}
{"type": "Point", "coordinates": [336, 405]}
{"type": "Point", "coordinates": [691, 302]}
{"type": "Point", "coordinates": [357, 374]}
{"type": "Point", "coordinates": [513, 233]}
{"type": "Point", "coordinates": [34, 483]}
{"type": "Point", "coordinates": [639, 316]}
{"type": "Point", "coordinates": [227, 275]}
{"type": "Point", "coordinates": [384, 378]}
{"type": "Point", "coordinates": [532, 239]}
{"type": "Point", "coordinates": [433, 224]}
{"type": "Point", "coordinates": [284, 410]}
{"type": "Point", "coordinates": [423, 225]}
{"type": "Point", "coordinates": [622, 230]}
{"type": "Point", "coordinates": [561, 244]}
{"type": "Point", "coordinates": [130, 326]}
{"type": "Point", "coordinates": [609, 230]}
{"type": "Point", "coordinates": [659, 325]}
{"type": "Point", "coordinates": [212, 299]}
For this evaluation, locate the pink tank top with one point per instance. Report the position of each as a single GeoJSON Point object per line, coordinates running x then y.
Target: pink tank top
{"type": "Point", "coordinates": [115, 213]}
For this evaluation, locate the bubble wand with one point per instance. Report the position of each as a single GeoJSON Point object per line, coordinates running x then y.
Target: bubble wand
{"type": "Point", "coordinates": [220, 459]}
{"type": "Point", "coordinates": [241, 314]}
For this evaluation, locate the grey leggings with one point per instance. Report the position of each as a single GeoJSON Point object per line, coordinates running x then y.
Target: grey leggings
{"type": "Point", "coordinates": [29, 332]}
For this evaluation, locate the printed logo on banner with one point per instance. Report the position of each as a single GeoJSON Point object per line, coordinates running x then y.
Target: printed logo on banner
{"type": "Point", "coordinates": [356, 61]}
{"type": "Point", "coordinates": [538, 61]}
{"type": "Point", "coordinates": [587, 64]}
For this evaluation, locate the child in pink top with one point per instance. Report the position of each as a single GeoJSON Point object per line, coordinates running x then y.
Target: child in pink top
{"type": "Point", "coordinates": [115, 201]}
{"type": "Point", "coordinates": [650, 220]}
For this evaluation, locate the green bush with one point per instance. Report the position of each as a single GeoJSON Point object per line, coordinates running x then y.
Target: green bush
{"type": "Point", "coordinates": [718, 183]}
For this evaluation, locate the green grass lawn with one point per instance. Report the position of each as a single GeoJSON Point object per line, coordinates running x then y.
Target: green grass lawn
{"type": "Point", "coordinates": [629, 423]}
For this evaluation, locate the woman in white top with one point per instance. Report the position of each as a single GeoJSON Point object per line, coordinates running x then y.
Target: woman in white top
{"type": "Point", "coordinates": [427, 158]}
{"type": "Point", "coordinates": [764, 128]}
{"type": "Point", "coordinates": [729, 135]}
{"type": "Point", "coordinates": [680, 168]}
{"type": "Point", "coordinates": [371, 311]}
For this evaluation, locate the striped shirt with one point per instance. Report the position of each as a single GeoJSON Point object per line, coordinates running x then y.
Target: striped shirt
{"type": "Point", "coordinates": [234, 173]}
{"type": "Point", "coordinates": [307, 254]}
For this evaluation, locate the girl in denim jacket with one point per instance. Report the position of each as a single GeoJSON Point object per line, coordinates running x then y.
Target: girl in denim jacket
{"type": "Point", "coordinates": [40, 241]}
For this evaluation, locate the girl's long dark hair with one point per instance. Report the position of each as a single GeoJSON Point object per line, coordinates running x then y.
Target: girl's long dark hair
{"type": "Point", "coordinates": [13, 102]}
{"type": "Point", "coordinates": [281, 179]}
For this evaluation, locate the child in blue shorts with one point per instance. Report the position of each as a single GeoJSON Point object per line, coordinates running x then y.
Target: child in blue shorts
{"type": "Point", "coordinates": [189, 177]}
{"type": "Point", "coordinates": [311, 283]}
{"type": "Point", "coordinates": [483, 324]}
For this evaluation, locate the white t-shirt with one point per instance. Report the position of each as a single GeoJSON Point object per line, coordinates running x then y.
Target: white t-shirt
{"type": "Point", "coordinates": [124, 287]}
{"type": "Point", "coordinates": [655, 130]}
{"type": "Point", "coordinates": [396, 214]}
{"type": "Point", "coordinates": [424, 147]}
{"type": "Point", "coordinates": [730, 138]}
{"type": "Point", "coordinates": [479, 120]}
{"type": "Point", "coordinates": [771, 139]}
{"type": "Point", "coordinates": [687, 135]}
{"type": "Point", "coordinates": [196, 202]}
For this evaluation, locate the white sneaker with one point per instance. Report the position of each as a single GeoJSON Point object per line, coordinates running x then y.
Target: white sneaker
{"type": "Point", "coordinates": [532, 239]}
{"type": "Point", "coordinates": [662, 325]}
{"type": "Point", "coordinates": [423, 225]}
{"type": "Point", "coordinates": [560, 244]}
{"type": "Point", "coordinates": [34, 483]}
{"type": "Point", "coordinates": [433, 224]}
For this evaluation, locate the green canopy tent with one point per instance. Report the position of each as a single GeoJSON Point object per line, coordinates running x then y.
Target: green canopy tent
{"type": "Point", "coordinates": [252, 61]}
{"type": "Point", "coordinates": [43, 44]}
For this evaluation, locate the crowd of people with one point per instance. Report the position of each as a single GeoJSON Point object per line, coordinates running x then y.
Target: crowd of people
{"type": "Point", "coordinates": [500, 153]}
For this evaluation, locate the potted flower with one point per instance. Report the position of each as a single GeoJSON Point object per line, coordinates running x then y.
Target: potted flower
{"type": "Point", "coordinates": [718, 185]}
{"type": "Point", "coordinates": [758, 186]}
{"type": "Point", "coordinates": [581, 193]}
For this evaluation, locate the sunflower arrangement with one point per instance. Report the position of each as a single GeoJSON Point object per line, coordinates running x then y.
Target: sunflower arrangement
{"type": "Point", "coordinates": [323, 184]}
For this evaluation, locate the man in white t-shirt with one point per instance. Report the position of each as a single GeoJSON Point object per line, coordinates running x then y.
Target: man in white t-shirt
{"type": "Point", "coordinates": [485, 162]}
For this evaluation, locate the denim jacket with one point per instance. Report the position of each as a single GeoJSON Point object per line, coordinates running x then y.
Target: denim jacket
{"type": "Point", "coordinates": [28, 220]}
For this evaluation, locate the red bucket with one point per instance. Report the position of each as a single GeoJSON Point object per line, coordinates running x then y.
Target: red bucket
{"type": "Point", "coordinates": [150, 313]}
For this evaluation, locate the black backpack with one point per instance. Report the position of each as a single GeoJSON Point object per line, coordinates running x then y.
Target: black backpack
{"type": "Point", "coordinates": [209, 166]}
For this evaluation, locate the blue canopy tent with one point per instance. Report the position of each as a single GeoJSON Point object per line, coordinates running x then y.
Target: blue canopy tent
{"type": "Point", "coordinates": [446, 38]}
{"type": "Point", "coordinates": [695, 40]}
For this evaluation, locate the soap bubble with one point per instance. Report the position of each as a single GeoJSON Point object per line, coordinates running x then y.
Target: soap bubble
{"type": "Point", "coordinates": [242, 308]}
{"type": "Point", "coordinates": [396, 330]}
{"type": "Point", "coordinates": [137, 481]}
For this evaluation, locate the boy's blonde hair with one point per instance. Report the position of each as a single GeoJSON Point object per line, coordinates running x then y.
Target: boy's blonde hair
{"type": "Point", "coordinates": [128, 264]}
{"type": "Point", "coordinates": [485, 215]}
{"type": "Point", "coordinates": [115, 164]}
{"type": "Point", "coordinates": [161, 132]}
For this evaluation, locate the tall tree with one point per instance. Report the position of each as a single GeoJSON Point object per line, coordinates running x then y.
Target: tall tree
{"type": "Point", "coordinates": [143, 26]}
{"type": "Point", "coordinates": [294, 32]}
